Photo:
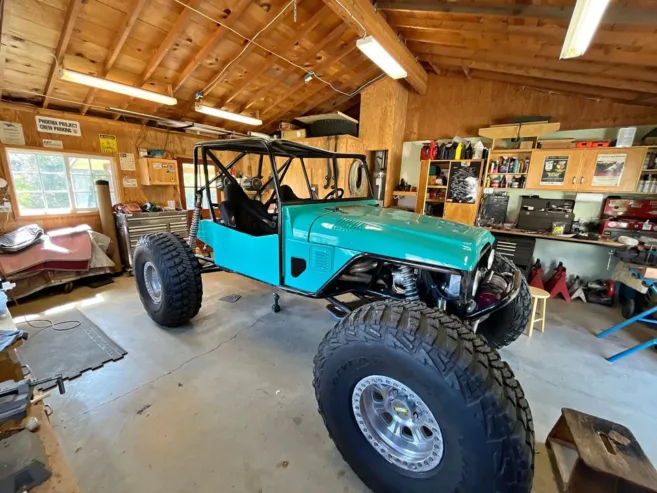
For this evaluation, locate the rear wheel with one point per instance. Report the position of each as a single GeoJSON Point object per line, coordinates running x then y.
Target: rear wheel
{"type": "Point", "coordinates": [417, 403]}
{"type": "Point", "coordinates": [504, 326]}
{"type": "Point", "coordinates": [168, 278]}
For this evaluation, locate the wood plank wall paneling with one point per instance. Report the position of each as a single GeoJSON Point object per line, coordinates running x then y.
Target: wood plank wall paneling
{"type": "Point", "coordinates": [129, 137]}
{"type": "Point", "coordinates": [382, 121]}
{"type": "Point", "coordinates": [459, 106]}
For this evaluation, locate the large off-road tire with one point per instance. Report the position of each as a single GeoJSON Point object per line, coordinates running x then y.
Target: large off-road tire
{"type": "Point", "coordinates": [425, 366]}
{"type": "Point", "coordinates": [168, 278]}
{"type": "Point", "coordinates": [504, 326]}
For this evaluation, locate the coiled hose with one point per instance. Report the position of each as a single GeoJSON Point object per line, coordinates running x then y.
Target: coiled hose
{"type": "Point", "coordinates": [410, 283]}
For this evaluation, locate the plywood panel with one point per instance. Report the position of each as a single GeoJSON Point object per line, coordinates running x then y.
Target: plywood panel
{"type": "Point", "coordinates": [459, 106]}
{"type": "Point", "coordinates": [129, 139]}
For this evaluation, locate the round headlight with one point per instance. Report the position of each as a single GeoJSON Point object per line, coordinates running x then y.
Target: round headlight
{"type": "Point", "coordinates": [491, 258]}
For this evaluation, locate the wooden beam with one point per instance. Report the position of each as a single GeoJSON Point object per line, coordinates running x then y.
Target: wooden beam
{"type": "Point", "coordinates": [305, 29]}
{"type": "Point", "coordinates": [210, 44]}
{"type": "Point", "coordinates": [577, 66]}
{"type": "Point", "coordinates": [305, 57]}
{"type": "Point", "coordinates": [163, 49]}
{"type": "Point", "coordinates": [545, 73]}
{"type": "Point", "coordinates": [3, 43]}
{"type": "Point", "coordinates": [72, 12]}
{"type": "Point", "coordinates": [123, 33]}
{"type": "Point", "coordinates": [614, 14]}
{"type": "Point", "coordinates": [216, 80]}
{"type": "Point", "coordinates": [375, 25]}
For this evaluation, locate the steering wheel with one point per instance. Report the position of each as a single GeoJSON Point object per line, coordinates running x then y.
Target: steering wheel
{"type": "Point", "coordinates": [338, 192]}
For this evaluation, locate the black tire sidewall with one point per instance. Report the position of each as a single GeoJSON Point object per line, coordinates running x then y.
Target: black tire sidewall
{"type": "Point", "coordinates": [143, 256]}
{"type": "Point", "coordinates": [466, 464]}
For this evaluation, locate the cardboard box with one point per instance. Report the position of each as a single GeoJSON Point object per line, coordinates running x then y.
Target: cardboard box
{"type": "Point", "coordinates": [293, 134]}
{"type": "Point", "coordinates": [556, 144]}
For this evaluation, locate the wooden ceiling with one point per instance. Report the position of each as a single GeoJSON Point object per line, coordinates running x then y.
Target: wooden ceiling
{"type": "Point", "coordinates": [165, 47]}
{"type": "Point", "coordinates": [520, 42]}
{"type": "Point", "coordinates": [161, 45]}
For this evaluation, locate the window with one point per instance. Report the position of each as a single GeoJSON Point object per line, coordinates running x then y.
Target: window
{"type": "Point", "coordinates": [57, 183]}
{"type": "Point", "coordinates": [188, 184]}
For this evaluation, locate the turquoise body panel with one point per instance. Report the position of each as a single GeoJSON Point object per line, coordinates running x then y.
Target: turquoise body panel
{"type": "Point", "coordinates": [327, 236]}
{"type": "Point", "coordinates": [253, 256]}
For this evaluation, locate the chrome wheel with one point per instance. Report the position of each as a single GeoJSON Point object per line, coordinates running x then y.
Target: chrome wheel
{"type": "Point", "coordinates": [152, 282]}
{"type": "Point", "coordinates": [397, 423]}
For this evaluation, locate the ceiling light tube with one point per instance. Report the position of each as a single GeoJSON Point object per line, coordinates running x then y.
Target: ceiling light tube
{"type": "Point", "coordinates": [227, 115]}
{"type": "Point", "coordinates": [108, 85]}
{"type": "Point", "coordinates": [375, 52]}
{"type": "Point", "coordinates": [583, 26]}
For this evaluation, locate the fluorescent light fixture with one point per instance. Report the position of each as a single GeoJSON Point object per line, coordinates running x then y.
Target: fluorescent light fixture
{"type": "Point", "coordinates": [583, 25]}
{"type": "Point", "coordinates": [108, 85]}
{"type": "Point", "coordinates": [227, 115]}
{"type": "Point", "coordinates": [375, 52]}
{"type": "Point", "coordinates": [160, 120]}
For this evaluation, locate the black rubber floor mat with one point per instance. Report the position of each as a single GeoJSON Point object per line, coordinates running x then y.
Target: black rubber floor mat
{"type": "Point", "coordinates": [50, 350]}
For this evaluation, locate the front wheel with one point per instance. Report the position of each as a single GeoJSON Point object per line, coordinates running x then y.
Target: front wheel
{"type": "Point", "coordinates": [417, 403]}
{"type": "Point", "coordinates": [168, 278]}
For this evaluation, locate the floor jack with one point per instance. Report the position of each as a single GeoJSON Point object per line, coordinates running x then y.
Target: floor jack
{"type": "Point", "coordinates": [536, 276]}
{"type": "Point", "coordinates": [557, 283]}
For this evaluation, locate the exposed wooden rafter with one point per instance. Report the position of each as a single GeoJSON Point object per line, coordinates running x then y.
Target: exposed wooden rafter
{"type": "Point", "coordinates": [614, 14]}
{"type": "Point", "coordinates": [217, 36]}
{"type": "Point", "coordinates": [64, 38]}
{"type": "Point", "coordinates": [163, 49]}
{"type": "Point", "coordinates": [305, 28]}
{"type": "Point", "coordinates": [115, 50]}
{"type": "Point", "coordinates": [3, 44]}
{"type": "Point", "coordinates": [328, 40]}
{"type": "Point", "coordinates": [361, 12]}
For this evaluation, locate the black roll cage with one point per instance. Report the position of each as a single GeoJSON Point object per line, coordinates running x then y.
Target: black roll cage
{"type": "Point", "coordinates": [273, 149]}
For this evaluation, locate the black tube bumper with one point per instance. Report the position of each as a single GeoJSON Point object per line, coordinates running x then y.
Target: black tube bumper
{"type": "Point", "coordinates": [506, 300]}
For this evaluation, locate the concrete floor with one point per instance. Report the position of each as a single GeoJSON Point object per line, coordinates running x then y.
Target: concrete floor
{"type": "Point", "coordinates": [226, 404]}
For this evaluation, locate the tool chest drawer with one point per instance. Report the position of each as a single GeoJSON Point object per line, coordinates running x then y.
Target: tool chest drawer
{"type": "Point", "coordinates": [520, 250]}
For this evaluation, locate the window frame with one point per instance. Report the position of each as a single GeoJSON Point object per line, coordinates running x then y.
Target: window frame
{"type": "Point", "coordinates": [65, 154]}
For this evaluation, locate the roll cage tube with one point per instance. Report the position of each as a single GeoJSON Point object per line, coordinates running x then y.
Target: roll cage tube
{"type": "Point", "coordinates": [273, 149]}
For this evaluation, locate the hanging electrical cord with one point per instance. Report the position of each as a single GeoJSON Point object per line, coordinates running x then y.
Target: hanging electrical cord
{"type": "Point", "coordinates": [251, 41]}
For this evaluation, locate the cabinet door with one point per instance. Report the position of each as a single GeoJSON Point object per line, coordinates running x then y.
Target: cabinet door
{"type": "Point", "coordinates": [461, 213]}
{"type": "Point", "coordinates": [611, 169]}
{"type": "Point", "coordinates": [544, 171]}
{"type": "Point", "coordinates": [162, 172]}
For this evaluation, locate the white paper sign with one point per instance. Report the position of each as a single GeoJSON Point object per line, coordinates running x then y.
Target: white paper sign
{"type": "Point", "coordinates": [58, 126]}
{"type": "Point", "coordinates": [57, 144]}
{"type": "Point", "coordinates": [129, 182]}
{"type": "Point", "coordinates": [127, 161]}
{"type": "Point", "coordinates": [12, 133]}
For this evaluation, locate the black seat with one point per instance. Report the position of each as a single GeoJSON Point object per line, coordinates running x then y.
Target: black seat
{"type": "Point", "coordinates": [244, 214]}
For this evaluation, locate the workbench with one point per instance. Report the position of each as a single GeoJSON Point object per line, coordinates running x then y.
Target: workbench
{"type": "Point", "coordinates": [546, 236]}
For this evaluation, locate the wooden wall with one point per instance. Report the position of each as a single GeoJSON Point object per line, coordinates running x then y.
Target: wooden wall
{"type": "Point", "coordinates": [382, 120]}
{"type": "Point", "coordinates": [129, 137]}
{"type": "Point", "coordinates": [456, 105]}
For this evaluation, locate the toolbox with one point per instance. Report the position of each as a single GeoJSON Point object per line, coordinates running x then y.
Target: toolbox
{"type": "Point", "coordinates": [537, 214]}
{"type": "Point", "coordinates": [518, 249]}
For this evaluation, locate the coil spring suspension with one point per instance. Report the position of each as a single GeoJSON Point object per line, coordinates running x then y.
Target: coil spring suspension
{"type": "Point", "coordinates": [196, 217]}
{"type": "Point", "coordinates": [410, 284]}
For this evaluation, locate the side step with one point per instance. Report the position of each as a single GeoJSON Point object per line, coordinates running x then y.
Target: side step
{"type": "Point", "coordinates": [340, 309]}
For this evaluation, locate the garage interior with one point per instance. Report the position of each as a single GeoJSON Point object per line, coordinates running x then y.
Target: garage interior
{"type": "Point", "coordinates": [499, 118]}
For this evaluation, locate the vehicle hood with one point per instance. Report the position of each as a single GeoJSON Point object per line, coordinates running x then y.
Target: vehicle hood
{"type": "Point", "coordinates": [397, 234]}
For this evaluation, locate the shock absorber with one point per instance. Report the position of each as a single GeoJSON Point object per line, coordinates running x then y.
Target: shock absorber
{"type": "Point", "coordinates": [410, 283]}
{"type": "Point", "coordinates": [196, 217]}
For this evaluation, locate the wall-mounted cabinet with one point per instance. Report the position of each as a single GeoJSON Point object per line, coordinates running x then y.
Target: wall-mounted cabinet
{"type": "Point", "coordinates": [158, 171]}
{"type": "Point", "coordinates": [608, 170]}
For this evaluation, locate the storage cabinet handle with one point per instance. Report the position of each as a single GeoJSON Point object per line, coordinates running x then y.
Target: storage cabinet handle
{"type": "Point", "coordinates": [581, 180]}
{"type": "Point", "coordinates": [574, 178]}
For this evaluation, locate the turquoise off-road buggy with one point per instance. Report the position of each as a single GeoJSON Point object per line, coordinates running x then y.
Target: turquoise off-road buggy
{"type": "Point", "coordinates": [407, 382]}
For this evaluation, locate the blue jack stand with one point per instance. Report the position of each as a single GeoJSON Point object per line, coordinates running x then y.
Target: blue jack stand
{"type": "Point", "coordinates": [641, 317]}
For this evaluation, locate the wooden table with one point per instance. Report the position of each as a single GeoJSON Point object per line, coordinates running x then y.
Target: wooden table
{"type": "Point", "coordinates": [546, 236]}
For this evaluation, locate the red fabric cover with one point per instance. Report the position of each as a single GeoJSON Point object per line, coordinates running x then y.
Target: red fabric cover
{"type": "Point", "coordinates": [63, 249]}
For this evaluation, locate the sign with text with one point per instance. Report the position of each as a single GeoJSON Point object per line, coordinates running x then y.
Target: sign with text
{"type": "Point", "coordinates": [12, 133]}
{"type": "Point", "coordinates": [57, 144]}
{"type": "Point", "coordinates": [58, 126]}
{"type": "Point", "coordinates": [554, 170]}
{"type": "Point", "coordinates": [108, 143]}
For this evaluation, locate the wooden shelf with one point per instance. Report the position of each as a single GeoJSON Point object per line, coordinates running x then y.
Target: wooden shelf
{"type": "Point", "coordinates": [404, 193]}
{"type": "Point", "coordinates": [511, 151]}
{"type": "Point", "coordinates": [402, 208]}
{"type": "Point", "coordinates": [455, 160]}
{"type": "Point", "coordinates": [513, 174]}
{"type": "Point", "coordinates": [436, 186]}
{"type": "Point", "coordinates": [435, 201]}
{"type": "Point", "coordinates": [648, 171]}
